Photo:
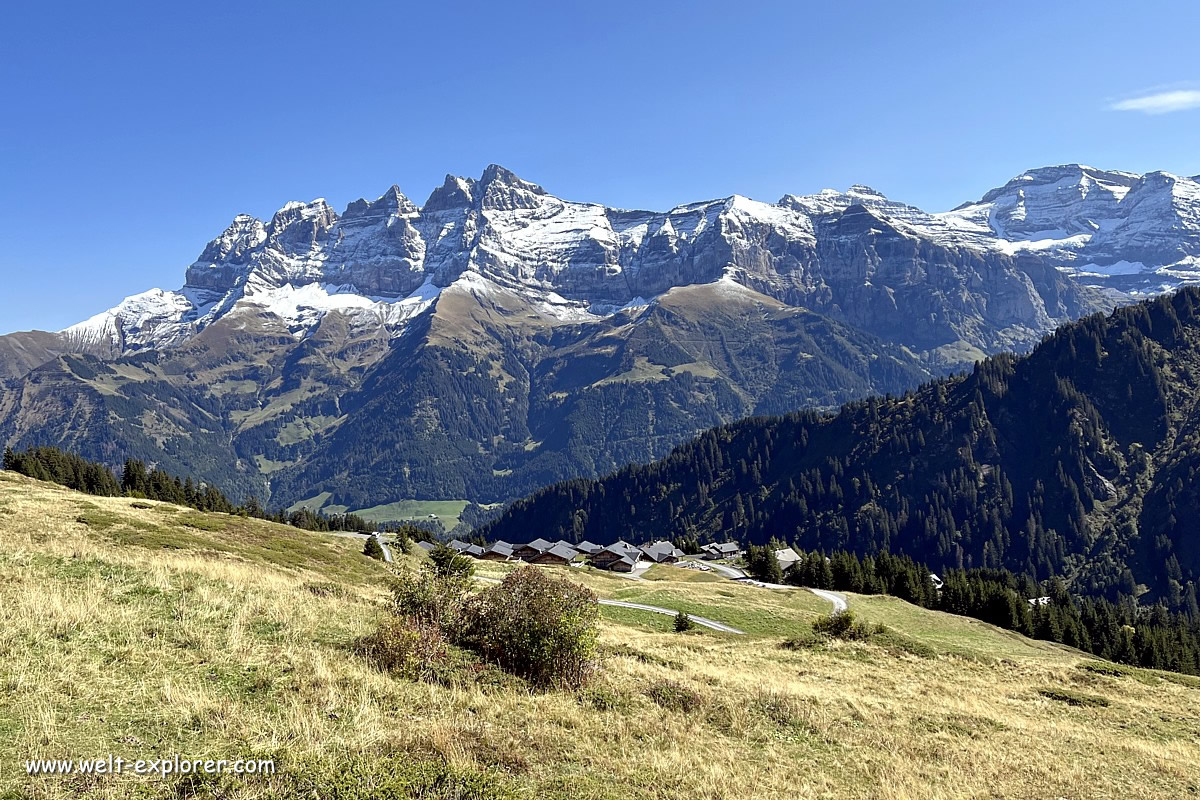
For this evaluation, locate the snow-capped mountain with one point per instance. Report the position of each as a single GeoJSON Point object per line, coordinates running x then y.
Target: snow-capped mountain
{"type": "Point", "coordinates": [384, 261]}
{"type": "Point", "coordinates": [498, 338]}
{"type": "Point", "coordinates": [1136, 233]}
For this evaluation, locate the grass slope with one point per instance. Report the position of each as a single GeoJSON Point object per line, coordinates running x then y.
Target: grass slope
{"type": "Point", "coordinates": [149, 631]}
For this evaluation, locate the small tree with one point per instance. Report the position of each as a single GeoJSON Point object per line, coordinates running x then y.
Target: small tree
{"type": "Point", "coordinates": [683, 623]}
{"type": "Point", "coordinates": [763, 565]}
{"type": "Point", "coordinates": [450, 564]}
{"type": "Point", "coordinates": [372, 548]}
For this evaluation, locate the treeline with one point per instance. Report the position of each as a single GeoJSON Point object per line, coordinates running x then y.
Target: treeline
{"type": "Point", "coordinates": [68, 469]}
{"type": "Point", "coordinates": [1151, 637]}
{"type": "Point", "coordinates": [1078, 459]}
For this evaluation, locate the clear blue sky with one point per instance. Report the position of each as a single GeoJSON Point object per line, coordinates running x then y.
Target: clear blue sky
{"type": "Point", "coordinates": [131, 133]}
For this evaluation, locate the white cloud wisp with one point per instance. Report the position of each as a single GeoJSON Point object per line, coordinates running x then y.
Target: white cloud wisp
{"type": "Point", "coordinates": [1161, 102]}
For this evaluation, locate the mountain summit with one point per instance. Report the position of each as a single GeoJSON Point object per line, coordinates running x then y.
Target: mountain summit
{"type": "Point", "coordinates": [498, 338]}
{"type": "Point", "coordinates": [854, 255]}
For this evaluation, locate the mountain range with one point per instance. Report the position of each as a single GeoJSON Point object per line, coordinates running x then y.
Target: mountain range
{"type": "Point", "coordinates": [497, 338]}
{"type": "Point", "coordinates": [1079, 460]}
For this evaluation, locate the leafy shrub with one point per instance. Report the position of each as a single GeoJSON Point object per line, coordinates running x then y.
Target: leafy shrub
{"type": "Point", "coordinates": [407, 646]}
{"type": "Point", "coordinates": [683, 623]}
{"type": "Point", "coordinates": [540, 627]}
{"type": "Point", "coordinates": [431, 597]}
{"type": "Point", "coordinates": [372, 548]}
{"type": "Point", "coordinates": [674, 696]}
{"type": "Point", "coordinates": [843, 626]}
{"type": "Point", "coordinates": [1075, 698]}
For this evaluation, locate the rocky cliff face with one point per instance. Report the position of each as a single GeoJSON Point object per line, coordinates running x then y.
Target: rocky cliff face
{"type": "Point", "coordinates": [936, 285]}
{"type": "Point", "coordinates": [1134, 233]}
{"type": "Point", "coordinates": [497, 337]}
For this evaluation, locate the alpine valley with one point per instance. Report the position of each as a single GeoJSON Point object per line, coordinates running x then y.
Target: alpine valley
{"type": "Point", "coordinates": [497, 338]}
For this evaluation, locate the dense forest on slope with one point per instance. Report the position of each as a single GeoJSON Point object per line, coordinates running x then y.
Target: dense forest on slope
{"type": "Point", "coordinates": [1078, 460]}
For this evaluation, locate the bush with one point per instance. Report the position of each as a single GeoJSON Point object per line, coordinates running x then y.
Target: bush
{"type": "Point", "coordinates": [408, 647]}
{"type": "Point", "coordinates": [373, 549]}
{"type": "Point", "coordinates": [842, 626]}
{"type": "Point", "coordinates": [683, 623]}
{"type": "Point", "coordinates": [539, 627]}
{"type": "Point", "coordinates": [430, 597]}
{"type": "Point", "coordinates": [674, 696]}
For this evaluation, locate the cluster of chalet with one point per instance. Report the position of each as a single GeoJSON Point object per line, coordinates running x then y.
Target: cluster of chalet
{"type": "Point", "coordinates": [619, 557]}
{"type": "Point", "coordinates": [717, 550]}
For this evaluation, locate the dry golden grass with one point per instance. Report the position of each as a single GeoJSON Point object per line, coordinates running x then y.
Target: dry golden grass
{"type": "Point", "coordinates": [233, 643]}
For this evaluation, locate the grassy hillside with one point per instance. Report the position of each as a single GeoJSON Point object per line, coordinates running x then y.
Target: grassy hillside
{"type": "Point", "coordinates": [150, 631]}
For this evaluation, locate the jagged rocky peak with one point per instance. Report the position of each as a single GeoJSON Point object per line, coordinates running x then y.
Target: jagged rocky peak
{"type": "Point", "coordinates": [243, 235]}
{"type": "Point", "coordinates": [301, 225]}
{"type": "Point", "coordinates": [454, 194]}
{"type": "Point", "coordinates": [834, 201]}
{"type": "Point", "coordinates": [1159, 224]}
{"type": "Point", "coordinates": [835, 251]}
{"type": "Point", "coordinates": [224, 261]}
{"type": "Point", "coordinates": [861, 189]}
{"type": "Point", "coordinates": [391, 203]}
{"type": "Point", "coordinates": [500, 189]}
{"type": "Point", "coordinates": [861, 219]}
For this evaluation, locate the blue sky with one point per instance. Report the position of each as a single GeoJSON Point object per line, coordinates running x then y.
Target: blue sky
{"type": "Point", "coordinates": [130, 133]}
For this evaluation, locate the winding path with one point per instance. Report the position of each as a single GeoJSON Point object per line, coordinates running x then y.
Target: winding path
{"type": "Point", "coordinates": [733, 573]}
{"type": "Point", "coordinates": [387, 552]}
{"type": "Point", "coordinates": [838, 600]}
